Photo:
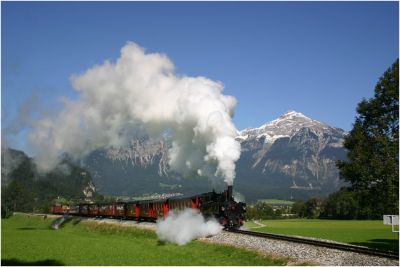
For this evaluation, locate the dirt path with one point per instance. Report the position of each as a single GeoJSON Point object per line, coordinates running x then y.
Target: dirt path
{"type": "Point", "coordinates": [258, 223]}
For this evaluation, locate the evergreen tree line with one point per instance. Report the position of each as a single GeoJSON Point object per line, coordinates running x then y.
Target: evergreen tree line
{"type": "Point", "coordinates": [343, 204]}
{"type": "Point", "coordinates": [24, 189]}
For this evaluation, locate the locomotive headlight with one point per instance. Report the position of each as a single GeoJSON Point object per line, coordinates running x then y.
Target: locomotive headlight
{"type": "Point", "coordinates": [244, 207]}
{"type": "Point", "coordinates": [222, 208]}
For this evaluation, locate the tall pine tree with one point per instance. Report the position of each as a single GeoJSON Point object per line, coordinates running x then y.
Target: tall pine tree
{"type": "Point", "coordinates": [373, 149]}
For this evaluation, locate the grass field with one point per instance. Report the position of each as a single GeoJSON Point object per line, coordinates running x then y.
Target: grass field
{"type": "Point", "coordinates": [30, 241]}
{"type": "Point", "coordinates": [276, 202]}
{"type": "Point", "coordinates": [366, 233]}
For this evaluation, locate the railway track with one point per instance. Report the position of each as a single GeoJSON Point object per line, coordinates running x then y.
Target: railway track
{"type": "Point", "coordinates": [339, 246]}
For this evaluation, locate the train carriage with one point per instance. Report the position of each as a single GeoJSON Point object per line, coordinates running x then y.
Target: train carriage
{"type": "Point", "coordinates": [132, 210]}
{"type": "Point", "coordinates": [102, 209]}
{"type": "Point", "coordinates": [119, 210]}
{"type": "Point", "coordinates": [159, 209]}
{"type": "Point", "coordinates": [222, 206]}
{"type": "Point", "coordinates": [146, 211]}
{"type": "Point", "coordinates": [179, 204]}
{"type": "Point", "coordinates": [84, 209]}
{"type": "Point", "coordinates": [109, 210]}
{"type": "Point", "coordinates": [59, 209]}
{"type": "Point", "coordinates": [93, 210]}
{"type": "Point", "coordinates": [74, 209]}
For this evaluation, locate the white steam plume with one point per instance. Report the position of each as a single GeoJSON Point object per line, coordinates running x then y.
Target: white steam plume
{"type": "Point", "coordinates": [140, 93]}
{"type": "Point", "coordinates": [185, 226]}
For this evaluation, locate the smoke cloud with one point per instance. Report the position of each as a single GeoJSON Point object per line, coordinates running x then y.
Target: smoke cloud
{"type": "Point", "coordinates": [141, 94]}
{"type": "Point", "coordinates": [10, 161]}
{"type": "Point", "coordinates": [12, 127]}
{"type": "Point", "coordinates": [185, 226]}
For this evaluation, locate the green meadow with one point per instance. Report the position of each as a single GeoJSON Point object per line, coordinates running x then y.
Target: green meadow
{"type": "Point", "coordinates": [28, 240]}
{"type": "Point", "coordinates": [276, 202]}
{"type": "Point", "coordinates": [365, 233]}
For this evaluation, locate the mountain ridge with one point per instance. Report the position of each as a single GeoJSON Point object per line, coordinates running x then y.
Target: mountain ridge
{"type": "Point", "coordinates": [289, 117]}
{"type": "Point", "coordinates": [300, 150]}
{"type": "Point", "coordinates": [291, 156]}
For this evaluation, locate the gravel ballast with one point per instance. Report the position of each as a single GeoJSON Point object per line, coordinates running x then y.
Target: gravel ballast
{"type": "Point", "coordinates": [300, 252]}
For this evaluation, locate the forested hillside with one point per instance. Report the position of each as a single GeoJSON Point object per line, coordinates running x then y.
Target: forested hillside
{"type": "Point", "coordinates": [25, 189]}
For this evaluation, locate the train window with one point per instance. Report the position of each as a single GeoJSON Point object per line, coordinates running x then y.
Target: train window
{"type": "Point", "coordinates": [130, 209]}
{"type": "Point", "coordinates": [158, 208]}
{"type": "Point", "coordinates": [144, 210]}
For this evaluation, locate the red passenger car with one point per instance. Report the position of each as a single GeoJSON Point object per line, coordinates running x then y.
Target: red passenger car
{"type": "Point", "coordinates": [222, 206]}
{"type": "Point", "coordinates": [59, 209]}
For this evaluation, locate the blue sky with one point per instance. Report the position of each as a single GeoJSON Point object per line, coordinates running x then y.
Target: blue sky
{"type": "Point", "coordinates": [318, 58]}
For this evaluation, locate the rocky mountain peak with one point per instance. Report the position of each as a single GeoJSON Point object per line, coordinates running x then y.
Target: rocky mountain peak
{"type": "Point", "coordinates": [293, 114]}
{"type": "Point", "coordinates": [294, 151]}
{"type": "Point", "coordinates": [287, 125]}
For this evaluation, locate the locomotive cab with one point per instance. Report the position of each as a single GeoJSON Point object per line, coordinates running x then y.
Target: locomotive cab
{"type": "Point", "coordinates": [232, 214]}
{"type": "Point", "coordinates": [224, 208]}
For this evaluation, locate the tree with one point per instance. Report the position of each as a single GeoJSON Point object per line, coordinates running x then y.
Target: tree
{"type": "Point", "coordinates": [312, 208]}
{"type": "Point", "coordinates": [341, 205]}
{"type": "Point", "coordinates": [373, 148]}
{"type": "Point", "coordinates": [298, 208]}
{"type": "Point", "coordinates": [28, 190]}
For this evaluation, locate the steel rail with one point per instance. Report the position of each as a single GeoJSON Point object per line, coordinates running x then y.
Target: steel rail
{"type": "Point", "coordinates": [339, 246]}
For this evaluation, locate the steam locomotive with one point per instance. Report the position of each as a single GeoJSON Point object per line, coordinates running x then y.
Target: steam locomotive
{"type": "Point", "coordinates": [221, 206]}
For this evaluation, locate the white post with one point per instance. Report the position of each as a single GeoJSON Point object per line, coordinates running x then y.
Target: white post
{"type": "Point", "coordinates": [392, 220]}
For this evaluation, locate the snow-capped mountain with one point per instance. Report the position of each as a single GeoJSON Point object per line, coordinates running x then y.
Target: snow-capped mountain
{"type": "Point", "coordinates": [286, 126]}
{"type": "Point", "coordinates": [293, 151]}
{"type": "Point", "coordinates": [292, 155]}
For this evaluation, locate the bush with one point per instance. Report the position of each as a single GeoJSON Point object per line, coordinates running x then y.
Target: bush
{"type": "Point", "coordinates": [6, 212]}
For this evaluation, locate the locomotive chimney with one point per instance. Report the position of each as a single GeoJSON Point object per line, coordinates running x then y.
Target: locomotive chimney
{"type": "Point", "coordinates": [229, 193]}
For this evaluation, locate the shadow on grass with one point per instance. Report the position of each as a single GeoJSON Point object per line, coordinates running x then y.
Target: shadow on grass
{"type": "Point", "coordinates": [30, 228]}
{"type": "Point", "coordinates": [160, 243]}
{"type": "Point", "coordinates": [76, 221]}
{"type": "Point", "coordinates": [381, 244]}
{"type": "Point", "coordinates": [16, 262]}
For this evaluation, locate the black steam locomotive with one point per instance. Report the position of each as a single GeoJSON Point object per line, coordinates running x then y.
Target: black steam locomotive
{"type": "Point", "coordinates": [221, 206]}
